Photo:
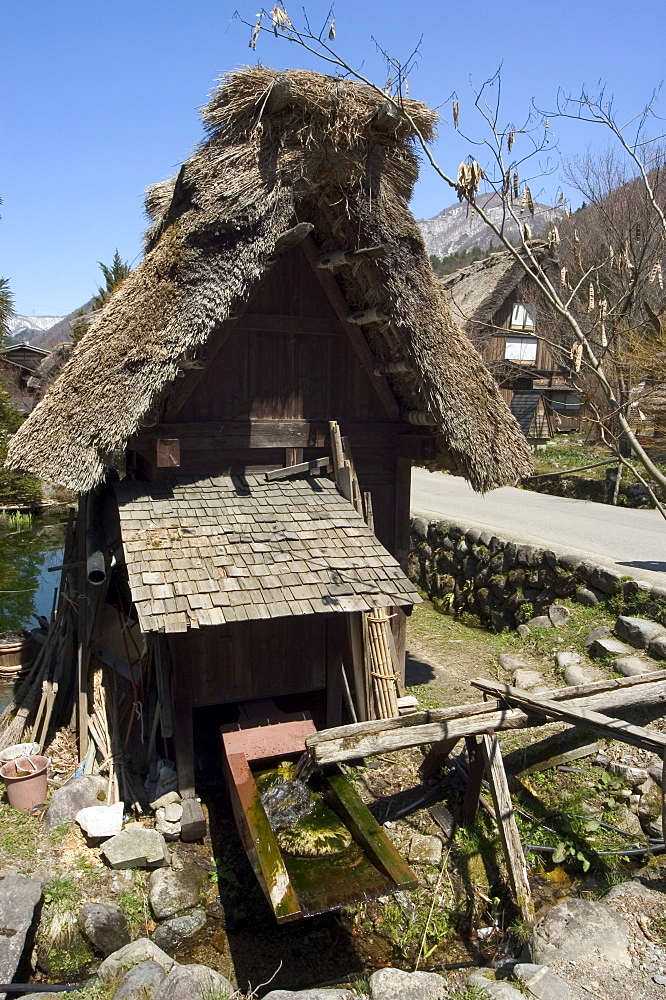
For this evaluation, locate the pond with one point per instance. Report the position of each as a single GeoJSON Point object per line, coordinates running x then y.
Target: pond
{"type": "Point", "coordinates": [27, 588]}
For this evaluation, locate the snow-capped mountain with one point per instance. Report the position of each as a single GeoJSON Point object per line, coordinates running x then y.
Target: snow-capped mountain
{"type": "Point", "coordinates": [460, 228]}
{"type": "Point", "coordinates": [26, 329]}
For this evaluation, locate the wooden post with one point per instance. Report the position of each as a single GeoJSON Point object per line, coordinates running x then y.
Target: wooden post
{"type": "Point", "coordinates": [355, 635]}
{"type": "Point", "coordinates": [508, 830]}
{"type": "Point", "coordinates": [81, 632]}
{"type": "Point", "coordinates": [474, 780]}
{"type": "Point", "coordinates": [436, 756]}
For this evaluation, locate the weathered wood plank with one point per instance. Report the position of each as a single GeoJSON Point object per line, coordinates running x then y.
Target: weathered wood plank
{"type": "Point", "coordinates": [296, 470]}
{"type": "Point", "coordinates": [267, 433]}
{"type": "Point", "coordinates": [385, 735]}
{"type": "Point", "coordinates": [508, 829]}
{"type": "Point", "coordinates": [576, 715]}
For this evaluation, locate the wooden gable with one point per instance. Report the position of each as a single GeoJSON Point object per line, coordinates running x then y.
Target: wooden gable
{"type": "Point", "coordinates": [288, 356]}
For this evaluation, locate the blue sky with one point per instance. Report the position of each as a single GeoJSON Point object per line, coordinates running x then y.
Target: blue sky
{"type": "Point", "coordinates": [100, 100]}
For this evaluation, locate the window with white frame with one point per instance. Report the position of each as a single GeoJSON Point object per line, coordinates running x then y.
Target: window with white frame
{"type": "Point", "coordinates": [522, 317]}
{"type": "Point", "coordinates": [520, 349]}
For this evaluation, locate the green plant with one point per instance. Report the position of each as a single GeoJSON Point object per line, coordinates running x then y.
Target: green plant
{"type": "Point", "coordinates": [133, 901]}
{"type": "Point", "coordinates": [19, 521]}
{"type": "Point", "coordinates": [470, 993]}
{"type": "Point", "coordinates": [62, 891]}
{"type": "Point", "coordinates": [521, 931]}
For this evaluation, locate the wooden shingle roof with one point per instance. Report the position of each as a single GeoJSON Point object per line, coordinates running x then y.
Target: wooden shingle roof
{"type": "Point", "coordinates": [233, 548]}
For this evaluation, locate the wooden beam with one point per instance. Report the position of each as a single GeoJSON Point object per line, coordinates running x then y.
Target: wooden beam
{"type": "Point", "coordinates": [508, 829]}
{"type": "Point", "coordinates": [358, 341]}
{"type": "Point", "coordinates": [252, 433]}
{"type": "Point", "coordinates": [386, 735]}
{"type": "Point", "coordinates": [316, 465]}
{"type": "Point", "coordinates": [276, 323]}
{"type": "Point", "coordinates": [475, 772]}
{"type": "Point", "coordinates": [437, 755]}
{"type": "Point", "coordinates": [616, 729]}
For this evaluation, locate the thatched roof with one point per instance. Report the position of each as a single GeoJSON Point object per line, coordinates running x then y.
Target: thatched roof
{"type": "Point", "coordinates": [476, 292]}
{"type": "Point", "coordinates": [281, 148]}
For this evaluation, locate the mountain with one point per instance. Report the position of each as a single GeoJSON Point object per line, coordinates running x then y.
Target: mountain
{"type": "Point", "coordinates": [29, 329]}
{"type": "Point", "coordinates": [459, 228]}
{"type": "Point", "coordinates": [44, 331]}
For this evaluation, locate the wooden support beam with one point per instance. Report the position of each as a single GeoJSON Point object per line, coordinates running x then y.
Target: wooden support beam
{"type": "Point", "coordinates": [475, 772]}
{"type": "Point", "coordinates": [316, 465]}
{"type": "Point", "coordinates": [386, 735]}
{"type": "Point", "coordinates": [615, 729]}
{"type": "Point", "coordinates": [508, 829]}
{"type": "Point", "coordinates": [437, 755]}
{"type": "Point", "coordinates": [255, 433]}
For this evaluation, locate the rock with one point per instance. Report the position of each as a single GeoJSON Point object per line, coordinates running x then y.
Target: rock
{"type": "Point", "coordinates": [655, 768]}
{"type": "Point", "coordinates": [19, 896]}
{"type": "Point", "coordinates": [627, 820]}
{"type": "Point", "coordinates": [142, 980]}
{"type": "Point", "coordinates": [509, 663]}
{"type": "Point", "coordinates": [607, 646]}
{"type": "Point", "coordinates": [632, 666]}
{"type": "Point", "coordinates": [171, 892]}
{"type": "Point", "coordinates": [170, 932]}
{"type": "Point", "coordinates": [136, 847]}
{"type": "Point", "coordinates": [170, 831]}
{"type": "Point", "coordinates": [631, 888]}
{"type": "Point", "coordinates": [638, 631]}
{"type": "Point", "coordinates": [541, 982]}
{"type": "Point", "coordinates": [496, 989]}
{"type": "Point", "coordinates": [597, 633]}
{"type": "Point", "coordinates": [426, 849]}
{"type": "Point", "coordinates": [101, 822]}
{"type": "Point", "coordinates": [605, 580]}
{"type": "Point", "coordinates": [579, 929]}
{"type": "Point", "coordinates": [389, 984]}
{"type": "Point", "coordinates": [659, 980]}
{"type": "Point", "coordinates": [524, 631]}
{"type": "Point", "coordinates": [77, 794]}
{"type": "Point", "coordinates": [194, 982]}
{"type": "Point", "coordinates": [173, 812]}
{"type": "Point", "coordinates": [559, 615]}
{"type": "Point", "coordinates": [634, 776]}
{"type": "Point", "coordinates": [586, 597]}
{"type": "Point", "coordinates": [573, 676]}
{"type": "Point", "coordinates": [340, 994]}
{"type": "Point", "coordinates": [541, 621]}
{"type": "Point", "coordinates": [420, 527]}
{"type": "Point", "coordinates": [527, 679]}
{"type": "Point", "coordinates": [139, 951]}
{"type": "Point", "coordinates": [165, 800]}
{"type": "Point", "coordinates": [657, 648]}
{"type": "Point", "coordinates": [105, 926]}
{"type": "Point", "coordinates": [566, 659]}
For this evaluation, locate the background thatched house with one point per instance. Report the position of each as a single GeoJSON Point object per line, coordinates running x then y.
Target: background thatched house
{"type": "Point", "coordinates": [503, 313]}
{"type": "Point", "coordinates": [285, 284]}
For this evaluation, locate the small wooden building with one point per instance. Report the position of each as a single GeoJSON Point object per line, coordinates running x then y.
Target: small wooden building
{"type": "Point", "coordinates": [285, 284]}
{"type": "Point", "coordinates": [499, 307]}
{"type": "Point", "coordinates": [19, 367]}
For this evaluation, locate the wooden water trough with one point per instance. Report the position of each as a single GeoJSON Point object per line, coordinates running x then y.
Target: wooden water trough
{"type": "Point", "coordinates": [302, 887]}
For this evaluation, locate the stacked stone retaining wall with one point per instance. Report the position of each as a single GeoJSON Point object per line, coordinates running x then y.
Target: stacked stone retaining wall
{"type": "Point", "coordinates": [506, 583]}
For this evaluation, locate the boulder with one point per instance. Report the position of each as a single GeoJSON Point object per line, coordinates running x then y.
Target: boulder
{"type": "Point", "coordinates": [143, 980]}
{"type": "Point", "coordinates": [170, 830]}
{"type": "Point", "coordinates": [194, 982]}
{"type": "Point", "coordinates": [426, 849]}
{"type": "Point", "coordinates": [105, 926]}
{"type": "Point", "coordinates": [172, 931]}
{"type": "Point", "coordinates": [638, 631]}
{"type": "Point", "coordinates": [524, 631]}
{"type": "Point", "coordinates": [580, 930]}
{"type": "Point", "coordinates": [101, 822]}
{"type": "Point", "coordinates": [574, 676]}
{"type": "Point", "coordinates": [420, 527]}
{"type": "Point", "coordinates": [19, 896]}
{"type": "Point", "coordinates": [559, 615]}
{"type": "Point", "coordinates": [597, 633]}
{"type": "Point", "coordinates": [566, 658]}
{"type": "Point", "coordinates": [632, 666]}
{"type": "Point", "coordinates": [339, 994]}
{"type": "Point", "coordinates": [388, 984]}
{"type": "Point", "coordinates": [605, 580]}
{"type": "Point", "coordinates": [541, 621]}
{"type": "Point", "coordinates": [141, 950]}
{"type": "Point", "coordinates": [493, 989]}
{"type": "Point", "coordinates": [657, 648]}
{"type": "Point", "coordinates": [586, 597]}
{"type": "Point", "coordinates": [541, 982]}
{"type": "Point", "coordinates": [173, 812]}
{"type": "Point", "coordinates": [172, 892]}
{"type": "Point", "coordinates": [509, 663]}
{"type": "Point", "coordinates": [607, 646]}
{"type": "Point", "coordinates": [136, 847]}
{"type": "Point", "coordinates": [77, 794]}
{"type": "Point", "coordinates": [527, 679]}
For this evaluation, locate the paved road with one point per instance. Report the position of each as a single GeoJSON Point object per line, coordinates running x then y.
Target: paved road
{"type": "Point", "coordinates": [631, 541]}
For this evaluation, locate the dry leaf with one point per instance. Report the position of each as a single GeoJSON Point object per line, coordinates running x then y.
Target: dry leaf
{"type": "Point", "coordinates": [456, 114]}
{"type": "Point", "coordinates": [331, 31]}
{"type": "Point", "coordinates": [255, 33]}
{"type": "Point", "coordinates": [509, 141]}
{"type": "Point", "coordinates": [280, 19]}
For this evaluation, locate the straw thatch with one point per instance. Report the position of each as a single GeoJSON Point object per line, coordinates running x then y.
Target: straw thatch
{"type": "Point", "coordinates": [282, 148]}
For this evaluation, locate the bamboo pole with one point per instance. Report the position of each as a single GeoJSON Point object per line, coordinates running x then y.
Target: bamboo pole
{"type": "Point", "coordinates": [382, 672]}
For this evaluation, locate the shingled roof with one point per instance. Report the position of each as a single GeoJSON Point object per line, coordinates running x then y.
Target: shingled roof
{"type": "Point", "coordinates": [230, 548]}
{"type": "Point", "coordinates": [281, 149]}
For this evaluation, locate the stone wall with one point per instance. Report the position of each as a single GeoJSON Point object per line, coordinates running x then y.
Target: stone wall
{"type": "Point", "coordinates": [506, 583]}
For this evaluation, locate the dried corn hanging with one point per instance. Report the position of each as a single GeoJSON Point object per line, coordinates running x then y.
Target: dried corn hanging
{"type": "Point", "coordinates": [509, 141]}
{"type": "Point", "coordinates": [577, 356]}
{"type": "Point", "coordinates": [590, 298]}
{"type": "Point", "coordinates": [564, 278]}
{"type": "Point", "coordinates": [456, 114]}
{"type": "Point", "coordinates": [603, 309]}
{"type": "Point", "coordinates": [656, 274]}
{"type": "Point", "coordinates": [516, 192]}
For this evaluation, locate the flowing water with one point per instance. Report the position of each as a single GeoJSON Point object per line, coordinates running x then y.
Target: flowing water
{"type": "Point", "coordinates": [27, 588]}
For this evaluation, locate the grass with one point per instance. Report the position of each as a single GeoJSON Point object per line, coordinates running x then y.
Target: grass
{"type": "Point", "coordinates": [133, 901]}
{"type": "Point", "coordinates": [20, 838]}
{"type": "Point", "coordinates": [568, 451]}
